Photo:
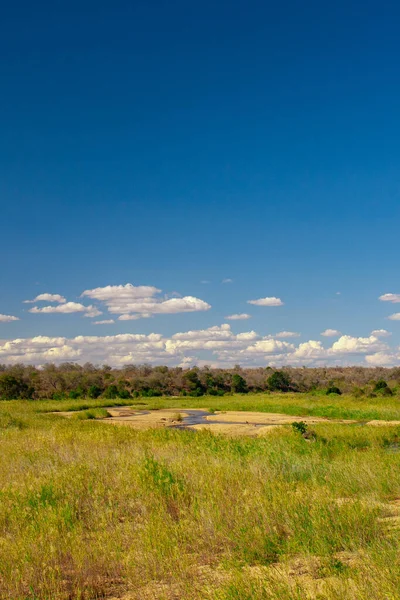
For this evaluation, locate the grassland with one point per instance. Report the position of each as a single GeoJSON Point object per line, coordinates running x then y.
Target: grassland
{"type": "Point", "coordinates": [92, 511]}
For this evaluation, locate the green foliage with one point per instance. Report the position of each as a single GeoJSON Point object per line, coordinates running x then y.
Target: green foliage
{"type": "Point", "coordinates": [279, 381]}
{"type": "Point", "coordinates": [239, 385]}
{"type": "Point", "coordinates": [94, 391]}
{"type": "Point", "coordinates": [299, 427]}
{"type": "Point", "coordinates": [193, 384]}
{"type": "Point", "coordinates": [380, 385]}
{"type": "Point", "coordinates": [13, 388]}
{"type": "Point", "coordinates": [111, 392]}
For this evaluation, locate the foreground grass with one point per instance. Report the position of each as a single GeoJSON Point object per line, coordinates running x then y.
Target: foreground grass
{"type": "Point", "coordinates": [90, 510]}
{"type": "Point", "coordinates": [318, 405]}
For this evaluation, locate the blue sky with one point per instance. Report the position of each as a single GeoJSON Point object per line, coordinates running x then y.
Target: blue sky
{"type": "Point", "coordinates": [165, 144]}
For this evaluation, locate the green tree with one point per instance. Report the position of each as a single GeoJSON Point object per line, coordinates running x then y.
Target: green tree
{"type": "Point", "coordinates": [279, 381]}
{"type": "Point", "coordinates": [13, 388]}
{"type": "Point", "coordinates": [94, 391]}
{"type": "Point", "coordinates": [239, 384]}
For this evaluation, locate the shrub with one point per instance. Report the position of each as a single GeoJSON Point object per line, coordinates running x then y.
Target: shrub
{"type": "Point", "coordinates": [300, 427]}
{"type": "Point", "coordinates": [13, 388]}
{"type": "Point", "coordinates": [111, 392]}
{"type": "Point", "coordinates": [239, 384]}
{"type": "Point", "coordinates": [94, 391]}
{"type": "Point", "coordinates": [332, 389]}
{"type": "Point", "coordinates": [380, 385]}
{"type": "Point", "coordinates": [279, 381]}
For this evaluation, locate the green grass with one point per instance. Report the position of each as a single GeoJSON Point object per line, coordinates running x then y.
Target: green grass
{"type": "Point", "coordinates": [89, 510]}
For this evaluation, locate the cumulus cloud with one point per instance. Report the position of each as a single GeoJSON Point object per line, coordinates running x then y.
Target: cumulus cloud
{"type": "Point", "coordinates": [310, 349]}
{"type": "Point", "coordinates": [382, 359]}
{"type": "Point", "coordinates": [269, 301]}
{"type": "Point", "coordinates": [395, 317]}
{"type": "Point", "coordinates": [138, 301]}
{"type": "Point", "coordinates": [8, 318]}
{"type": "Point", "coordinates": [238, 317]}
{"type": "Point", "coordinates": [47, 298]}
{"type": "Point", "coordinates": [223, 348]}
{"type": "Point", "coordinates": [395, 298]}
{"type": "Point", "coordinates": [357, 345]}
{"type": "Point", "coordinates": [227, 280]}
{"type": "Point", "coordinates": [330, 333]}
{"type": "Point", "coordinates": [270, 346]}
{"type": "Point", "coordinates": [67, 308]}
{"type": "Point", "coordinates": [381, 333]}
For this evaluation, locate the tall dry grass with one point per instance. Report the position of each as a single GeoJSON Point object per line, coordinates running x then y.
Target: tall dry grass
{"type": "Point", "coordinates": [91, 511]}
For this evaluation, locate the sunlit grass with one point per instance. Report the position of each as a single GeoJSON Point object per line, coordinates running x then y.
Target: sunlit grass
{"type": "Point", "coordinates": [90, 510]}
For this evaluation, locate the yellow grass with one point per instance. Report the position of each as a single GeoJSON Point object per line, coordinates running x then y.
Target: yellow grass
{"type": "Point", "coordinates": [92, 511]}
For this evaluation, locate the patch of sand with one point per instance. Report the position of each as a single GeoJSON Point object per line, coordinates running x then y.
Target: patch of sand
{"type": "Point", "coordinates": [381, 423]}
{"type": "Point", "coordinates": [143, 419]}
{"type": "Point", "coordinates": [261, 418]}
{"type": "Point", "coordinates": [236, 429]}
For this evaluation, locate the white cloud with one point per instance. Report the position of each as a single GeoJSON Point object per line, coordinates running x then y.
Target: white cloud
{"type": "Point", "coordinates": [270, 346]}
{"type": "Point", "coordinates": [205, 281]}
{"type": "Point", "coordinates": [269, 301]}
{"type": "Point", "coordinates": [47, 298]}
{"type": "Point", "coordinates": [357, 345]}
{"type": "Point", "coordinates": [395, 317]}
{"type": "Point", "coordinates": [310, 349]}
{"type": "Point", "coordinates": [216, 345]}
{"type": "Point", "coordinates": [67, 308]}
{"type": "Point", "coordinates": [7, 318]}
{"type": "Point", "coordinates": [330, 333]}
{"type": "Point", "coordinates": [227, 280]}
{"type": "Point", "coordinates": [138, 301]}
{"type": "Point", "coordinates": [104, 322]}
{"type": "Point", "coordinates": [381, 359]}
{"type": "Point", "coordinates": [134, 317]}
{"type": "Point", "coordinates": [381, 333]}
{"type": "Point", "coordinates": [395, 298]}
{"type": "Point", "coordinates": [212, 333]}
{"type": "Point", "coordinates": [238, 317]}
{"type": "Point", "coordinates": [286, 334]}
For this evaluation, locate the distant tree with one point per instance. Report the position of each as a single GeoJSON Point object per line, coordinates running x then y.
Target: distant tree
{"type": "Point", "coordinates": [94, 391]}
{"type": "Point", "coordinates": [279, 381]}
{"type": "Point", "coordinates": [239, 384]}
{"type": "Point", "coordinates": [13, 388]}
{"type": "Point", "coordinates": [111, 392]}
{"type": "Point", "coordinates": [193, 383]}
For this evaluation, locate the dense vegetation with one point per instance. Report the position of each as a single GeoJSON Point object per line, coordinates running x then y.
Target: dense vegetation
{"type": "Point", "coordinates": [90, 510]}
{"type": "Point", "coordinates": [89, 381]}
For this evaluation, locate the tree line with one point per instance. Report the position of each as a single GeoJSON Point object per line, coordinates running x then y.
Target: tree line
{"type": "Point", "coordinates": [71, 380]}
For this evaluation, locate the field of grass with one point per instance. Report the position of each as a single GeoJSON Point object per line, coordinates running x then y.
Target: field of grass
{"type": "Point", "coordinates": [89, 510]}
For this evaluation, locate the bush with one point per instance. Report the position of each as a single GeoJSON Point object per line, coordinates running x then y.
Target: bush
{"type": "Point", "coordinates": [279, 381]}
{"type": "Point", "coordinates": [380, 385]}
{"type": "Point", "coordinates": [382, 388]}
{"type": "Point", "coordinates": [13, 388]}
{"type": "Point", "coordinates": [239, 385]}
{"type": "Point", "coordinates": [94, 391]}
{"type": "Point", "coordinates": [111, 392]}
{"type": "Point", "coordinates": [332, 389]}
{"type": "Point", "coordinates": [300, 427]}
